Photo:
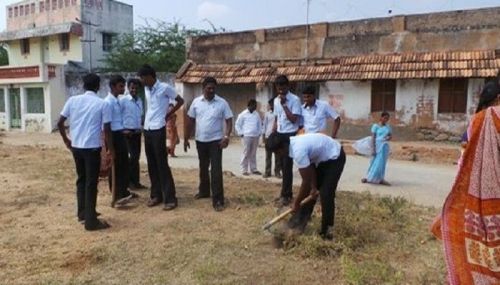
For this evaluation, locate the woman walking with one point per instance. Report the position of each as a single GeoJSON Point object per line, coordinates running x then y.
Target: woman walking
{"type": "Point", "coordinates": [381, 135]}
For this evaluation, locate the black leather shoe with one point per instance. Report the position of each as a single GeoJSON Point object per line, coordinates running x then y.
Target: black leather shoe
{"type": "Point", "coordinates": [219, 207]}
{"type": "Point", "coordinates": [169, 206]}
{"type": "Point", "coordinates": [153, 202]}
{"type": "Point", "coordinates": [200, 196]}
{"type": "Point", "coordinates": [99, 225]}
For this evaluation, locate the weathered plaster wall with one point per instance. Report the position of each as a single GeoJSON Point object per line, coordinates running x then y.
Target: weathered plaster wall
{"type": "Point", "coordinates": [457, 30]}
{"type": "Point", "coordinates": [3, 121]}
{"type": "Point", "coordinates": [34, 57]}
{"type": "Point", "coordinates": [351, 99]}
{"type": "Point", "coordinates": [57, 56]}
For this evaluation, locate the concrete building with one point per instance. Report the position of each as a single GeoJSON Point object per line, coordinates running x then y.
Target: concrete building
{"type": "Point", "coordinates": [426, 69]}
{"type": "Point", "coordinates": [43, 39]}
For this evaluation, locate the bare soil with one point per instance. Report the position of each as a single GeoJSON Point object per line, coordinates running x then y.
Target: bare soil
{"type": "Point", "coordinates": [378, 240]}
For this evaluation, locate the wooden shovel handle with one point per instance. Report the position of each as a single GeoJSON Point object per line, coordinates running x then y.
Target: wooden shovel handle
{"type": "Point", "coordinates": [284, 214]}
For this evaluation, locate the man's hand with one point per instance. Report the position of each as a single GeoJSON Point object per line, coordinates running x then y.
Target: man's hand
{"type": "Point", "coordinates": [314, 194]}
{"type": "Point", "coordinates": [186, 145]}
{"type": "Point", "coordinates": [224, 142]}
{"type": "Point", "coordinates": [296, 205]}
{"type": "Point", "coordinates": [282, 100]}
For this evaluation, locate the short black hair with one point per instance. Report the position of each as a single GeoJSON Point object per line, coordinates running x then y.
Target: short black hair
{"type": "Point", "coordinates": [281, 80]}
{"type": "Point", "coordinates": [309, 90]}
{"type": "Point", "coordinates": [385, 114]}
{"type": "Point", "coordinates": [146, 70]}
{"type": "Point", "coordinates": [251, 102]}
{"type": "Point", "coordinates": [276, 141]}
{"type": "Point", "coordinates": [207, 80]}
{"type": "Point", "coordinates": [91, 82]}
{"type": "Point", "coordinates": [115, 79]}
{"type": "Point", "coordinates": [135, 81]}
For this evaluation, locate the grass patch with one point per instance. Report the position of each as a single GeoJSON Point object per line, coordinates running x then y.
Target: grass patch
{"type": "Point", "coordinates": [250, 199]}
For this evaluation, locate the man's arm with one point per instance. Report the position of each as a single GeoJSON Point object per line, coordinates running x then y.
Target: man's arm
{"type": "Point", "coordinates": [108, 139]}
{"type": "Point", "coordinates": [180, 102]}
{"type": "Point", "coordinates": [229, 128]}
{"type": "Point", "coordinates": [336, 126]}
{"type": "Point", "coordinates": [188, 129]}
{"type": "Point", "coordinates": [308, 186]}
{"type": "Point", "coordinates": [291, 117]}
{"type": "Point", "coordinates": [62, 131]}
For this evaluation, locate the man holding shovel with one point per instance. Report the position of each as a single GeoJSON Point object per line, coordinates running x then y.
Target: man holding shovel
{"type": "Point", "coordinates": [320, 160]}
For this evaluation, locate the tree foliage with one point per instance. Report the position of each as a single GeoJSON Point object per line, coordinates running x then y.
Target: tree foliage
{"type": "Point", "coordinates": [4, 57]}
{"type": "Point", "coordinates": [161, 44]}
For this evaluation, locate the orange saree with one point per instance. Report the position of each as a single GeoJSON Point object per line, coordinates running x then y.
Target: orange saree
{"type": "Point", "coordinates": [469, 224]}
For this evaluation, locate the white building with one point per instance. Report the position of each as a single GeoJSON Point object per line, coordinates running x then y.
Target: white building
{"type": "Point", "coordinates": [42, 36]}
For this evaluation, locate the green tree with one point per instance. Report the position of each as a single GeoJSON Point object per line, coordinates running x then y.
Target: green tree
{"type": "Point", "coordinates": [163, 45]}
{"type": "Point", "coordinates": [4, 57]}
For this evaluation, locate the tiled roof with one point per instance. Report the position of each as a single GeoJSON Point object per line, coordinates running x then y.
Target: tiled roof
{"type": "Point", "coordinates": [392, 66]}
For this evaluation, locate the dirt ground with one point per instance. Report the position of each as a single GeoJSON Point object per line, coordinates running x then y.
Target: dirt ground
{"type": "Point", "coordinates": [378, 240]}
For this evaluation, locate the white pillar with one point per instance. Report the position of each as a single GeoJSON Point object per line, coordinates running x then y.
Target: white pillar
{"type": "Point", "coordinates": [24, 106]}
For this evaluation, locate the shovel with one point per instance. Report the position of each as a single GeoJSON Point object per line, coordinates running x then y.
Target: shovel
{"type": "Point", "coordinates": [281, 216]}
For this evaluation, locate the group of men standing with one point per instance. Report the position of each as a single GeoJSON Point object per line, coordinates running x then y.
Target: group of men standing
{"type": "Point", "coordinates": [120, 118]}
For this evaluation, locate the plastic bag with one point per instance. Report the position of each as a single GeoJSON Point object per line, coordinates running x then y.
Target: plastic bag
{"type": "Point", "coordinates": [364, 146]}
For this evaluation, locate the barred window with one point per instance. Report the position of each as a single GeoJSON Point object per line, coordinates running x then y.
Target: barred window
{"type": "Point", "coordinates": [452, 95]}
{"type": "Point", "coordinates": [35, 100]}
{"type": "Point", "coordinates": [383, 95]}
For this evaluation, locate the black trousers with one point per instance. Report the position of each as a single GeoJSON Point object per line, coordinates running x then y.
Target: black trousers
{"type": "Point", "coordinates": [277, 162]}
{"type": "Point", "coordinates": [210, 155]}
{"type": "Point", "coordinates": [120, 164]}
{"type": "Point", "coordinates": [134, 154]}
{"type": "Point", "coordinates": [160, 174]}
{"type": "Point", "coordinates": [287, 169]}
{"type": "Point", "coordinates": [328, 175]}
{"type": "Point", "coordinates": [87, 162]}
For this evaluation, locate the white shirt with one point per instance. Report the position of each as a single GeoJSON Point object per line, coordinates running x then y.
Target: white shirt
{"type": "Point", "coordinates": [132, 111]}
{"type": "Point", "coordinates": [293, 103]}
{"type": "Point", "coordinates": [268, 123]}
{"type": "Point", "coordinates": [315, 117]}
{"type": "Point", "coordinates": [313, 148]}
{"type": "Point", "coordinates": [116, 112]}
{"type": "Point", "coordinates": [86, 114]}
{"type": "Point", "coordinates": [157, 99]}
{"type": "Point", "coordinates": [249, 124]}
{"type": "Point", "coordinates": [210, 117]}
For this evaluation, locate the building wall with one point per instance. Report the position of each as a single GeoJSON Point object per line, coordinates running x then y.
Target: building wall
{"type": "Point", "coordinates": [3, 114]}
{"type": "Point", "coordinates": [57, 56]}
{"type": "Point", "coordinates": [16, 58]}
{"type": "Point", "coordinates": [457, 30]}
{"type": "Point", "coordinates": [111, 17]}
{"type": "Point", "coordinates": [64, 14]}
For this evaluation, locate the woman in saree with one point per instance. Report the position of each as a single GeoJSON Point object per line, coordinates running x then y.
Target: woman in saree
{"type": "Point", "coordinates": [172, 134]}
{"type": "Point", "coordinates": [381, 135]}
{"type": "Point", "coordinates": [469, 224]}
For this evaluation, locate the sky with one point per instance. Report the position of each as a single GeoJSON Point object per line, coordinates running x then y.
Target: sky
{"type": "Point", "coordinates": [238, 15]}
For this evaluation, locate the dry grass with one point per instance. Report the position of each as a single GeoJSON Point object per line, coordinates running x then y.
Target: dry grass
{"type": "Point", "coordinates": [378, 240]}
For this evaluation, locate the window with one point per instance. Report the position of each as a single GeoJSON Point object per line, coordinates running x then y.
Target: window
{"type": "Point", "coordinates": [21, 10]}
{"type": "Point", "coordinates": [54, 4]}
{"type": "Point", "coordinates": [61, 3]}
{"type": "Point", "coordinates": [42, 6]}
{"type": "Point", "coordinates": [25, 46]}
{"type": "Point", "coordinates": [47, 5]}
{"type": "Point", "coordinates": [10, 12]}
{"type": "Point", "coordinates": [64, 42]}
{"type": "Point", "coordinates": [33, 8]}
{"type": "Point", "coordinates": [2, 101]}
{"type": "Point", "coordinates": [27, 10]}
{"type": "Point", "coordinates": [16, 11]}
{"type": "Point", "coordinates": [452, 95]}
{"type": "Point", "coordinates": [66, 3]}
{"type": "Point", "coordinates": [107, 41]}
{"type": "Point", "coordinates": [383, 95]}
{"type": "Point", "coordinates": [73, 2]}
{"type": "Point", "coordinates": [34, 100]}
